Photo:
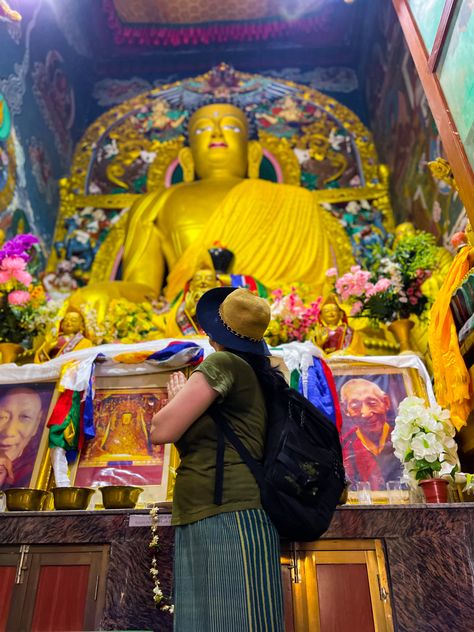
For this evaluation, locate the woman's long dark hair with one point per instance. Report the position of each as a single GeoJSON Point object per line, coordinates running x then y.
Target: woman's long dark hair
{"type": "Point", "coordinates": [270, 378]}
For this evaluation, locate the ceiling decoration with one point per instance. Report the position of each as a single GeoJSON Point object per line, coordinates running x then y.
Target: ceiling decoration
{"type": "Point", "coordinates": [198, 11]}
{"type": "Point", "coordinates": [151, 23]}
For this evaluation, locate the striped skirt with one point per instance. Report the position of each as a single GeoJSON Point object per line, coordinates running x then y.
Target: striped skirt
{"type": "Point", "coordinates": [227, 574]}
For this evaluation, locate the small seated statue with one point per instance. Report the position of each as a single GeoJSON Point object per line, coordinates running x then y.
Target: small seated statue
{"type": "Point", "coordinates": [333, 333]}
{"type": "Point", "coordinates": [181, 318]}
{"type": "Point", "coordinates": [71, 337]}
{"type": "Point", "coordinates": [275, 231]}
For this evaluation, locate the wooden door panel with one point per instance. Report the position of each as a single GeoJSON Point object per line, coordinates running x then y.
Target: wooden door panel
{"type": "Point", "coordinates": [61, 598]}
{"type": "Point", "coordinates": [7, 583]}
{"type": "Point", "coordinates": [344, 598]}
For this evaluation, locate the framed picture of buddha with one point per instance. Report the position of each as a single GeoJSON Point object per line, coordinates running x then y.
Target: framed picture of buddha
{"type": "Point", "coordinates": [121, 452]}
{"type": "Point", "coordinates": [369, 396]}
{"type": "Point", "coordinates": [24, 410]}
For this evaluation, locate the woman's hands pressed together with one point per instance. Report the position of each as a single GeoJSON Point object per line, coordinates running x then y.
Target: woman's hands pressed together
{"type": "Point", "coordinates": [176, 382]}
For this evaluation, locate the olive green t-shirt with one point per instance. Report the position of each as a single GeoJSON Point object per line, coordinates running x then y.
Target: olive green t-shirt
{"type": "Point", "coordinates": [241, 401]}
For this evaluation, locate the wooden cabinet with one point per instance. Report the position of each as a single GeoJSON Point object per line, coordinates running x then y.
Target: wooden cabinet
{"type": "Point", "coordinates": [52, 587]}
{"type": "Point", "coordinates": [336, 586]}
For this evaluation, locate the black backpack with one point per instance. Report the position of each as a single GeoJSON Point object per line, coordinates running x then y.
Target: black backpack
{"type": "Point", "coordinates": [302, 477]}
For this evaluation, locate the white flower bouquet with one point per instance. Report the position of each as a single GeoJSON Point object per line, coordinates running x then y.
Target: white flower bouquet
{"type": "Point", "coordinates": [423, 440]}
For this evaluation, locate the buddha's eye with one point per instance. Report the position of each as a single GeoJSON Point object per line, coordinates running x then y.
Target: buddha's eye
{"type": "Point", "coordinates": [200, 130]}
{"type": "Point", "coordinates": [232, 128]}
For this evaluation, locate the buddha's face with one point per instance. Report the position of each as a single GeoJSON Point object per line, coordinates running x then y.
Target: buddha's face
{"type": "Point", "coordinates": [330, 314]}
{"type": "Point", "coordinates": [72, 323]}
{"type": "Point", "coordinates": [126, 418]}
{"type": "Point", "coordinates": [218, 138]}
{"type": "Point", "coordinates": [202, 281]}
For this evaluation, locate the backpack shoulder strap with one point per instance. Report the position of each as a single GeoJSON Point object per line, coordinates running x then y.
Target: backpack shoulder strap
{"type": "Point", "coordinates": [224, 430]}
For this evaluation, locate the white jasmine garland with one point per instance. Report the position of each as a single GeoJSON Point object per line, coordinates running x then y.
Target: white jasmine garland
{"type": "Point", "coordinates": [423, 440]}
{"type": "Point", "coordinates": [158, 596]}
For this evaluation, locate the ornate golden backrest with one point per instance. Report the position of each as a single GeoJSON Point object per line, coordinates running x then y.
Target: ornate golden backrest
{"type": "Point", "coordinates": [308, 139]}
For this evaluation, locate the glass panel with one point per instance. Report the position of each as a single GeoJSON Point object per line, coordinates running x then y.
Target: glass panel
{"type": "Point", "coordinates": [456, 76]}
{"type": "Point", "coordinates": [427, 14]}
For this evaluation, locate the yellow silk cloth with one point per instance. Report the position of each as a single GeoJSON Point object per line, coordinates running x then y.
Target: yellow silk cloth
{"type": "Point", "coordinates": [449, 369]}
{"type": "Point", "coordinates": [275, 232]}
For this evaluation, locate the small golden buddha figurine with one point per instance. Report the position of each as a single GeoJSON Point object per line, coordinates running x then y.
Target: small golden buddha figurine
{"type": "Point", "coordinates": [333, 333]}
{"type": "Point", "coordinates": [274, 230]}
{"type": "Point", "coordinates": [71, 337]}
{"type": "Point", "coordinates": [181, 319]}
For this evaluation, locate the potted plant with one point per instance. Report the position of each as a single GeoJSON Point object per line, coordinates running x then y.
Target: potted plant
{"type": "Point", "coordinates": [21, 297]}
{"type": "Point", "coordinates": [423, 440]}
{"type": "Point", "coordinates": [392, 291]}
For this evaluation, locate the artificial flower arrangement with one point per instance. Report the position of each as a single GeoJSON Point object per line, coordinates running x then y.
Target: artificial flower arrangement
{"type": "Point", "coordinates": [423, 440]}
{"type": "Point", "coordinates": [393, 289]}
{"type": "Point", "coordinates": [293, 316]}
{"type": "Point", "coordinates": [22, 298]}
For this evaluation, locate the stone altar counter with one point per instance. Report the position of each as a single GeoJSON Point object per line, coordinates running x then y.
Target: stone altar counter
{"type": "Point", "coordinates": [429, 551]}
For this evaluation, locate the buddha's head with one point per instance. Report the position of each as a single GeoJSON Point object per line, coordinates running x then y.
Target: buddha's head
{"type": "Point", "coordinates": [219, 146]}
{"type": "Point", "coordinates": [331, 313]}
{"type": "Point", "coordinates": [72, 323]}
{"type": "Point", "coordinates": [203, 280]}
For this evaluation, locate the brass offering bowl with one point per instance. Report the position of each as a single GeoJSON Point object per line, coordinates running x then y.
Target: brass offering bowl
{"type": "Point", "coordinates": [24, 498]}
{"type": "Point", "coordinates": [120, 496]}
{"type": "Point", "coordinates": [71, 497]}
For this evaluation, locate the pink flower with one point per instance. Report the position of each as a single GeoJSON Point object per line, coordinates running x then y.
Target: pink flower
{"type": "Point", "coordinates": [18, 297]}
{"type": "Point", "coordinates": [332, 272]}
{"type": "Point", "coordinates": [382, 285]}
{"type": "Point", "coordinates": [356, 308]}
{"type": "Point", "coordinates": [14, 268]}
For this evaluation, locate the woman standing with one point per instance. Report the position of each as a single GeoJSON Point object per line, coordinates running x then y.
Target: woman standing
{"type": "Point", "coordinates": [227, 556]}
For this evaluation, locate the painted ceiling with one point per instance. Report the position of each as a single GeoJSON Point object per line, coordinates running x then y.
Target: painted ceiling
{"type": "Point", "coordinates": [125, 36]}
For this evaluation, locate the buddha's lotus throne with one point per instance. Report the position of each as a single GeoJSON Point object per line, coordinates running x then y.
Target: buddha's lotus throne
{"type": "Point", "coordinates": [275, 231]}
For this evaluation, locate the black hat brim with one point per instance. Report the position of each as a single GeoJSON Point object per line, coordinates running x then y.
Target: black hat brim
{"type": "Point", "coordinates": [207, 313]}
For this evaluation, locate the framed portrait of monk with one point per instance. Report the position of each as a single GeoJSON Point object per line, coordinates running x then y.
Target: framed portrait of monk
{"type": "Point", "coordinates": [121, 452]}
{"type": "Point", "coordinates": [369, 396]}
{"type": "Point", "coordinates": [24, 410]}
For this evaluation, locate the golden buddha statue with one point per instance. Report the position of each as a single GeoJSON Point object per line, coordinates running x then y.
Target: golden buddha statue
{"type": "Point", "coordinates": [71, 337]}
{"type": "Point", "coordinates": [275, 231]}
{"type": "Point", "coordinates": [181, 318]}
{"type": "Point", "coordinates": [333, 332]}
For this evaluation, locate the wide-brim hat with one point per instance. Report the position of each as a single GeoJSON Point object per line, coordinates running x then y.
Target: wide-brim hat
{"type": "Point", "coordinates": [235, 318]}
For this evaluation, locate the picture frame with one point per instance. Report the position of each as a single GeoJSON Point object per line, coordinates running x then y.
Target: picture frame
{"type": "Point", "coordinates": [122, 453]}
{"type": "Point", "coordinates": [25, 408]}
{"type": "Point", "coordinates": [369, 395]}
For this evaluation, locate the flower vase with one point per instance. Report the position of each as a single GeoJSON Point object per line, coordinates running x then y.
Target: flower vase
{"type": "Point", "coordinates": [9, 351]}
{"type": "Point", "coordinates": [435, 490]}
{"type": "Point", "coordinates": [401, 331]}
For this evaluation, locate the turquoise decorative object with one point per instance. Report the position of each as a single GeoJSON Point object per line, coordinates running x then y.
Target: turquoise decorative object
{"type": "Point", "coordinates": [5, 118]}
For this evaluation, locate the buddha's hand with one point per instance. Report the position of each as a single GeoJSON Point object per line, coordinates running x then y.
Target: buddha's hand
{"type": "Point", "coordinates": [175, 384]}
{"type": "Point", "coordinates": [6, 470]}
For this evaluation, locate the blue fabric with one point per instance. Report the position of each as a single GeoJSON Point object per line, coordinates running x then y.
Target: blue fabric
{"type": "Point", "coordinates": [88, 411]}
{"type": "Point", "coordinates": [319, 393]}
{"type": "Point", "coordinates": [190, 352]}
